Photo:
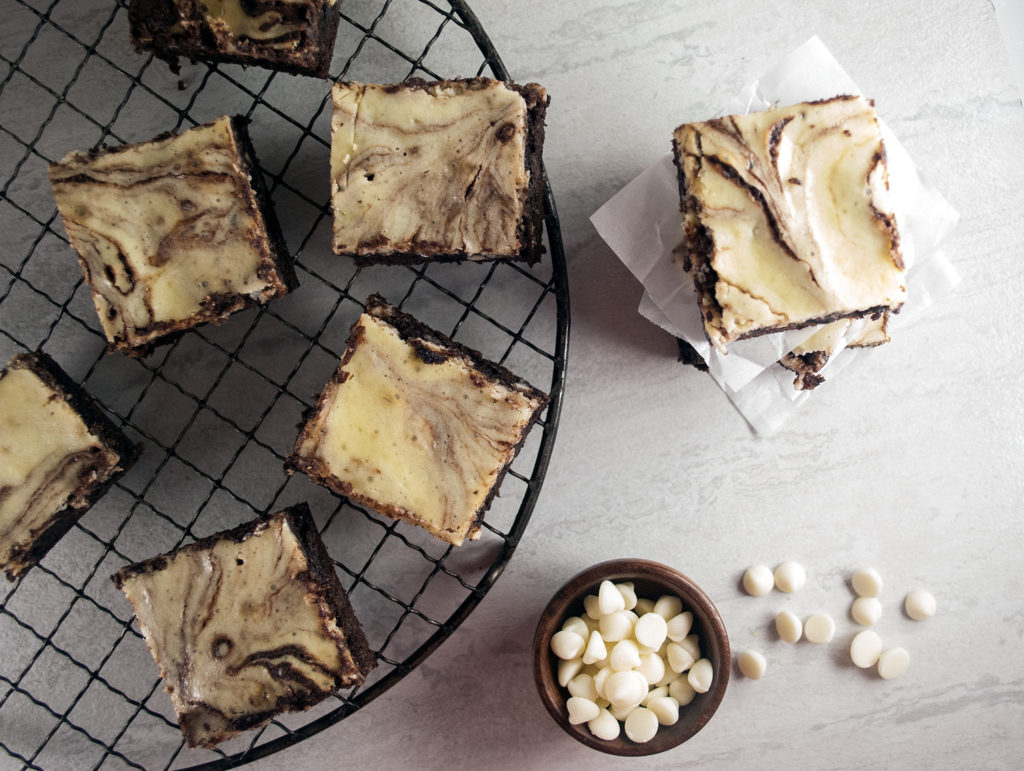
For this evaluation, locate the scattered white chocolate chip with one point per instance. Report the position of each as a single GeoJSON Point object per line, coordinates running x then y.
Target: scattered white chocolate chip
{"type": "Point", "coordinates": [819, 628]}
{"type": "Point", "coordinates": [624, 655]}
{"type": "Point", "coordinates": [677, 627]}
{"type": "Point", "coordinates": [654, 693]}
{"type": "Point", "coordinates": [752, 664]}
{"type": "Point", "coordinates": [665, 708]}
{"type": "Point", "coordinates": [866, 582]}
{"type": "Point", "coordinates": [610, 599]}
{"type": "Point", "coordinates": [758, 580]}
{"type": "Point", "coordinates": [604, 726]}
{"type": "Point", "coordinates": [592, 606]}
{"type": "Point", "coordinates": [596, 650]}
{"type": "Point", "coordinates": [621, 713]}
{"type": "Point", "coordinates": [790, 577]}
{"type": "Point", "coordinates": [893, 663]}
{"type": "Point", "coordinates": [668, 606]}
{"type": "Point", "coordinates": [600, 679]}
{"type": "Point", "coordinates": [643, 605]}
{"type": "Point", "coordinates": [641, 725]}
{"type": "Point", "coordinates": [789, 626]}
{"type": "Point", "coordinates": [681, 690]}
{"type": "Point", "coordinates": [920, 604]}
{"type": "Point", "coordinates": [577, 625]}
{"type": "Point", "coordinates": [865, 648]}
{"type": "Point", "coordinates": [701, 675]}
{"type": "Point", "coordinates": [567, 670]}
{"type": "Point", "coordinates": [583, 685]}
{"type": "Point", "coordinates": [652, 666]}
{"type": "Point", "coordinates": [680, 659]}
{"type": "Point", "coordinates": [651, 630]}
{"type": "Point", "coordinates": [628, 595]}
{"type": "Point", "coordinates": [866, 610]}
{"type": "Point", "coordinates": [581, 710]}
{"type": "Point", "coordinates": [691, 644]}
{"type": "Point", "coordinates": [567, 645]}
{"type": "Point", "coordinates": [616, 626]}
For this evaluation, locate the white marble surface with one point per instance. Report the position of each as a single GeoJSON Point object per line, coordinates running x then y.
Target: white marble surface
{"type": "Point", "coordinates": [912, 462]}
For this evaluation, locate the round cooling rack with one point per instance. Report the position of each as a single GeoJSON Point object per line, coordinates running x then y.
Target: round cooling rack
{"type": "Point", "coordinates": [217, 410]}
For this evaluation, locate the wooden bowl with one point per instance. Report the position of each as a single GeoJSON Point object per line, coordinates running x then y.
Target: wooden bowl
{"type": "Point", "coordinates": [650, 580]}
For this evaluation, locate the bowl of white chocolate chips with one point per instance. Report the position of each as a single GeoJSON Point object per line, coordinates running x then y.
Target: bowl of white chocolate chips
{"type": "Point", "coordinates": [631, 657]}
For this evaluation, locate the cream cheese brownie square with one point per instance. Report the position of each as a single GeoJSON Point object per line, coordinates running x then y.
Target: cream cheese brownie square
{"type": "Point", "coordinates": [58, 454]}
{"type": "Point", "coordinates": [173, 232]}
{"type": "Point", "coordinates": [415, 425]}
{"type": "Point", "coordinates": [246, 624]}
{"type": "Point", "coordinates": [787, 221]}
{"type": "Point", "coordinates": [445, 170]}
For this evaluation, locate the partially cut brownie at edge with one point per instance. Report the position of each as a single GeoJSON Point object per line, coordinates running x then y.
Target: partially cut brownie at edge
{"type": "Point", "coordinates": [246, 624]}
{"type": "Point", "coordinates": [438, 171]}
{"type": "Point", "coordinates": [295, 36]}
{"type": "Point", "coordinates": [59, 453]}
{"type": "Point", "coordinates": [173, 232]}
{"type": "Point", "coordinates": [416, 426]}
{"type": "Point", "coordinates": [787, 222]}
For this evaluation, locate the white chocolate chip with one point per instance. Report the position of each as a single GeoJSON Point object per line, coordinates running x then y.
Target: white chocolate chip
{"type": "Point", "coordinates": [679, 626]}
{"type": "Point", "coordinates": [789, 626]}
{"type": "Point", "coordinates": [866, 582]}
{"type": "Point", "coordinates": [610, 599]}
{"type": "Point", "coordinates": [752, 664]}
{"type": "Point", "coordinates": [643, 605]}
{"type": "Point", "coordinates": [577, 625]}
{"type": "Point", "coordinates": [866, 610]}
{"type": "Point", "coordinates": [592, 607]}
{"type": "Point", "coordinates": [625, 688]}
{"type": "Point", "coordinates": [604, 726]}
{"type": "Point", "coordinates": [581, 710]}
{"type": "Point", "coordinates": [654, 693]}
{"type": "Point", "coordinates": [628, 595]}
{"type": "Point", "coordinates": [758, 580]}
{"type": "Point", "coordinates": [681, 690]}
{"type": "Point", "coordinates": [624, 655]}
{"type": "Point", "coordinates": [652, 666]}
{"type": "Point", "coordinates": [691, 644]}
{"type": "Point", "coordinates": [790, 577]}
{"type": "Point", "coordinates": [865, 648]}
{"type": "Point", "coordinates": [669, 675]}
{"type": "Point", "coordinates": [819, 628]}
{"type": "Point", "coordinates": [583, 685]}
{"type": "Point", "coordinates": [600, 679]}
{"type": "Point", "coordinates": [621, 713]}
{"type": "Point", "coordinates": [596, 650]}
{"type": "Point", "coordinates": [920, 604]}
{"type": "Point", "coordinates": [651, 630]}
{"type": "Point", "coordinates": [893, 663]}
{"type": "Point", "coordinates": [680, 659]}
{"type": "Point", "coordinates": [567, 645]}
{"type": "Point", "coordinates": [665, 708]}
{"type": "Point", "coordinates": [567, 670]}
{"type": "Point", "coordinates": [616, 626]}
{"type": "Point", "coordinates": [701, 675]}
{"type": "Point", "coordinates": [641, 725]}
{"type": "Point", "coordinates": [668, 606]}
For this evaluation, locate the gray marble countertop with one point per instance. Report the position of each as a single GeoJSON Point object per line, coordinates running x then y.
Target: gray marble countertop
{"type": "Point", "coordinates": [911, 462]}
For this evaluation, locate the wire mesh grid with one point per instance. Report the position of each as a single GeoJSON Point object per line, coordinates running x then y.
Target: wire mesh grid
{"type": "Point", "coordinates": [217, 409]}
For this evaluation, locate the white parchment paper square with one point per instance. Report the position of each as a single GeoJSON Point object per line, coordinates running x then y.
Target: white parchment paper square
{"type": "Point", "coordinates": [643, 226]}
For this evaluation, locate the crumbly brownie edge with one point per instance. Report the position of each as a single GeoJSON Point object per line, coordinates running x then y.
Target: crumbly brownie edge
{"type": "Point", "coordinates": [314, 59]}
{"type": "Point", "coordinates": [120, 454]}
{"type": "Point", "coordinates": [688, 355]}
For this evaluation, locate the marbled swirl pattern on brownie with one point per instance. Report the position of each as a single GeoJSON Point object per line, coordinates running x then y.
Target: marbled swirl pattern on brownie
{"type": "Point", "coordinates": [168, 232]}
{"type": "Point", "coordinates": [430, 168]}
{"type": "Point", "coordinates": [243, 628]}
{"type": "Point", "coordinates": [787, 219]}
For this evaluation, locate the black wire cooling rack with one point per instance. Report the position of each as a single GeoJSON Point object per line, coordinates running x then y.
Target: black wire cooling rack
{"type": "Point", "coordinates": [217, 410]}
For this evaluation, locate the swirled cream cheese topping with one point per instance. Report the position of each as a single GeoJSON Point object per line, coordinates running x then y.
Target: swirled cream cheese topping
{"type": "Point", "coordinates": [236, 630]}
{"type": "Point", "coordinates": [168, 232]}
{"type": "Point", "coordinates": [431, 168]}
{"type": "Point", "coordinates": [47, 456]}
{"type": "Point", "coordinates": [787, 218]}
{"type": "Point", "coordinates": [415, 431]}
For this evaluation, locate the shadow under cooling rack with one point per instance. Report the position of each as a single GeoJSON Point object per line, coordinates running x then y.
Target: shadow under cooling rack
{"type": "Point", "coordinates": [217, 410]}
